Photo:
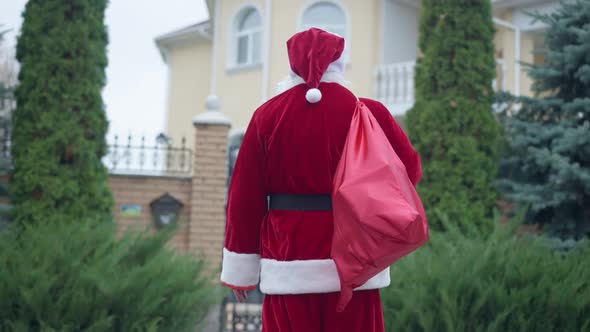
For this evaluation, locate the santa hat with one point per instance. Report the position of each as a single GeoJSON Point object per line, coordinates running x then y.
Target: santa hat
{"type": "Point", "coordinates": [312, 53]}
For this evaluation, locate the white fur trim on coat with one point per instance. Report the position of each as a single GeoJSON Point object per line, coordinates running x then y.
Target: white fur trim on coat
{"type": "Point", "coordinates": [241, 270]}
{"type": "Point", "coordinates": [308, 276]}
{"type": "Point", "coordinates": [294, 80]}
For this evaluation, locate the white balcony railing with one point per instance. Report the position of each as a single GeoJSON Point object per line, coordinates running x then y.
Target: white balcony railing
{"type": "Point", "coordinates": [394, 84]}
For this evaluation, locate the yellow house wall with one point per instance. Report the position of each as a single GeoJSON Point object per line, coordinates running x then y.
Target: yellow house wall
{"type": "Point", "coordinates": [189, 80]}
{"type": "Point", "coordinates": [365, 41]}
{"type": "Point", "coordinates": [240, 91]}
{"type": "Point", "coordinates": [364, 21]}
{"type": "Point", "coordinates": [284, 24]}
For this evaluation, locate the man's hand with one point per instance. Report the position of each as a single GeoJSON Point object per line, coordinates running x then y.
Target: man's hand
{"type": "Point", "coordinates": [241, 295]}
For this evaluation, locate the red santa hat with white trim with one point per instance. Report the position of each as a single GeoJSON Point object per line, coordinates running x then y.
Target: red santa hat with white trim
{"type": "Point", "coordinates": [313, 53]}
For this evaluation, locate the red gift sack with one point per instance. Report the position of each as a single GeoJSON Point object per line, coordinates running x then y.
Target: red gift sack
{"type": "Point", "coordinates": [378, 216]}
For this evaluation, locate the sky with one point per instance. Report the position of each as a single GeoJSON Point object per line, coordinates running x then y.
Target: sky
{"type": "Point", "coordinates": [135, 94]}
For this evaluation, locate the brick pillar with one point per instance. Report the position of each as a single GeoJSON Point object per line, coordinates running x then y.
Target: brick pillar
{"type": "Point", "coordinates": [207, 215]}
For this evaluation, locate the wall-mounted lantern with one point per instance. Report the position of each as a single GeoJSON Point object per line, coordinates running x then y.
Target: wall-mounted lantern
{"type": "Point", "coordinates": [165, 210]}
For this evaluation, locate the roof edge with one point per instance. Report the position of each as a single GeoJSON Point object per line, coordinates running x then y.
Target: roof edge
{"type": "Point", "coordinates": [196, 32]}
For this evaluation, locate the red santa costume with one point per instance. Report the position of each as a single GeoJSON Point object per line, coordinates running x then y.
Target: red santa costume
{"type": "Point", "coordinates": [276, 234]}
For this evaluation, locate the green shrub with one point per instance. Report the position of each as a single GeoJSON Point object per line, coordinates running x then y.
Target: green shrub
{"type": "Point", "coordinates": [452, 125]}
{"type": "Point", "coordinates": [496, 283]}
{"type": "Point", "coordinates": [80, 277]}
{"type": "Point", "coordinates": [60, 124]}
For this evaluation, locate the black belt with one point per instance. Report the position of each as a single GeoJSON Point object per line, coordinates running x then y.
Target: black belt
{"type": "Point", "coordinates": [291, 202]}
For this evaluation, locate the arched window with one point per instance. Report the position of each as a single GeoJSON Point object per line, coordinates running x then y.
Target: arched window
{"type": "Point", "coordinates": [247, 41]}
{"type": "Point", "coordinates": [327, 16]}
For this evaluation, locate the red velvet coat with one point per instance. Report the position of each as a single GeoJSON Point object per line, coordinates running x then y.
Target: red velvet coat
{"type": "Point", "coordinates": [293, 147]}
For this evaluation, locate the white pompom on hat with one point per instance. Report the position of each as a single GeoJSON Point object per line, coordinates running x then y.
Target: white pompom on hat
{"type": "Point", "coordinates": [312, 53]}
{"type": "Point", "coordinates": [313, 95]}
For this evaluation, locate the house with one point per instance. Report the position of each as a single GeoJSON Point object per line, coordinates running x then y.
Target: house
{"type": "Point", "coordinates": [233, 61]}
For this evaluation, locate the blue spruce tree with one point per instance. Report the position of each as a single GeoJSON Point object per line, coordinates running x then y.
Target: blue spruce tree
{"type": "Point", "coordinates": [548, 167]}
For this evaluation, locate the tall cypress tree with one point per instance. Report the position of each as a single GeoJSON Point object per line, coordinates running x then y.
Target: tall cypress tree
{"type": "Point", "coordinates": [548, 168]}
{"type": "Point", "coordinates": [452, 124]}
{"type": "Point", "coordinates": [59, 125]}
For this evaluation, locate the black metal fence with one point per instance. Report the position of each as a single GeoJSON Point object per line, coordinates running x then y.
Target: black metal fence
{"type": "Point", "coordinates": [128, 157]}
{"type": "Point", "coordinates": [161, 158]}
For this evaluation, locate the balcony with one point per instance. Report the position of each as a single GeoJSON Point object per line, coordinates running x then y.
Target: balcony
{"type": "Point", "coordinates": [394, 84]}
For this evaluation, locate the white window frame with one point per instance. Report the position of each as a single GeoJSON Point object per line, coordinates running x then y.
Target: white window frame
{"type": "Point", "coordinates": [302, 25]}
{"type": "Point", "coordinates": [249, 34]}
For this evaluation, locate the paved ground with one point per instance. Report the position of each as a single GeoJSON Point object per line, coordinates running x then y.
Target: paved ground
{"type": "Point", "coordinates": [211, 323]}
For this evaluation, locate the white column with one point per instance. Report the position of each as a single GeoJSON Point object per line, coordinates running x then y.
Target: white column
{"type": "Point", "coordinates": [401, 82]}
{"type": "Point", "coordinates": [391, 71]}
{"type": "Point", "coordinates": [383, 78]}
{"type": "Point", "coordinates": [376, 83]}
{"type": "Point", "coordinates": [411, 70]}
{"type": "Point", "coordinates": [213, 99]}
{"type": "Point", "coordinates": [266, 54]}
{"type": "Point", "coordinates": [517, 46]}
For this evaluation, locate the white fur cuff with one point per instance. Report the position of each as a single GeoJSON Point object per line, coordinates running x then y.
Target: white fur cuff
{"type": "Point", "coordinates": [308, 276]}
{"type": "Point", "coordinates": [241, 270]}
